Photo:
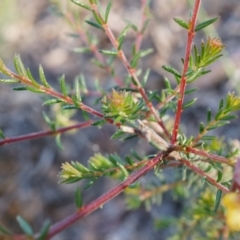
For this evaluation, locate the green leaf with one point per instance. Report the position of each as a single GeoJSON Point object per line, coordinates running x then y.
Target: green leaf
{"type": "Point", "coordinates": [167, 83]}
{"type": "Point", "coordinates": [42, 77]}
{"type": "Point", "coordinates": [77, 90]}
{"type": "Point", "coordinates": [108, 10]}
{"type": "Point", "coordinates": [135, 59]}
{"type": "Point", "coordinates": [29, 75]}
{"type": "Point", "coordinates": [217, 199]}
{"type": "Point", "coordinates": [78, 197]}
{"type": "Point", "coordinates": [135, 154]}
{"type": "Point", "coordinates": [19, 66]}
{"type": "Point", "coordinates": [201, 127]}
{"type": "Point", "coordinates": [122, 36]}
{"type": "Point", "coordinates": [81, 50]}
{"type": "Point", "coordinates": [34, 89]}
{"type": "Point", "coordinates": [89, 184]}
{"type": "Point", "coordinates": [208, 138]}
{"type": "Point", "coordinates": [82, 5]}
{"type": "Point", "coordinates": [227, 117]}
{"type": "Point", "coordinates": [20, 88]}
{"type": "Point", "coordinates": [9, 81]}
{"type": "Point", "coordinates": [24, 226]}
{"type": "Point", "coordinates": [219, 175]}
{"type": "Point", "coordinates": [63, 85]}
{"type": "Point", "coordinates": [93, 24]}
{"type": "Point", "coordinates": [209, 116]}
{"type": "Point", "coordinates": [119, 133]}
{"type": "Point", "coordinates": [1, 134]}
{"type": "Point", "coordinates": [146, 75]}
{"type": "Point", "coordinates": [52, 101]}
{"type": "Point", "coordinates": [181, 23]}
{"type": "Point", "coordinates": [59, 142]}
{"type": "Point", "coordinates": [67, 107]}
{"type": "Point", "coordinates": [109, 52]}
{"type": "Point", "coordinates": [5, 231]}
{"type": "Point", "coordinates": [189, 91]}
{"type": "Point", "coordinates": [50, 123]}
{"type": "Point", "coordinates": [123, 170]}
{"type": "Point", "coordinates": [171, 70]}
{"type": "Point", "coordinates": [99, 123]}
{"type": "Point", "coordinates": [205, 24]}
{"type": "Point", "coordinates": [190, 103]}
{"type": "Point", "coordinates": [44, 230]}
{"type": "Point", "coordinates": [219, 124]}
{"type": "Point", "coordinates": [129, 160]}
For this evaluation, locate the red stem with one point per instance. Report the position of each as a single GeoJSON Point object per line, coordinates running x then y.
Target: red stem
{"type": "Point", "coordinates": [183, 82]}
{"type": "Point", "coordinates": [99, 202]}
{"type": "Point", "coordinates": [44, 133]}
{"type": "Point", "coordinates": [143, 19]}
{"type": "Point", "coordinates": [203, 153]}
{"type": "Point", "coordinates": [205, 175]}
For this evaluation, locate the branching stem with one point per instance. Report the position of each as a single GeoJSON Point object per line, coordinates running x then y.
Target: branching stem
{"type": "Point", "coordinates": [99, 202]}
{"type": "Point", "coordinates": [183, 81]}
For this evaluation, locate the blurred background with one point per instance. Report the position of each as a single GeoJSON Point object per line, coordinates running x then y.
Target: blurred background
{"type": "Point", "coordinates": [29, 170]}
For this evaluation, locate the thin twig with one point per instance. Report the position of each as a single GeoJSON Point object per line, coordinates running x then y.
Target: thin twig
{"type": "Point", "coordinates": [44, 133]}
{"type": "Point", "coordinates": [183, 81]}
{"type": "Point", "coordinates": [203, 153]}
{"type": "Point", "coordinates": [204, 175]}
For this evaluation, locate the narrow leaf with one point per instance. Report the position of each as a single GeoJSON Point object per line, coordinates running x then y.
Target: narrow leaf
{"type": "Point", "coordinates": [42, 77]}
{"type": "Point", "coordinates": [25, 226]}
{"type": "Point", "coordinates": [52, 101]}
{"type": "Point", "coordinates": [67, 107]}
{"type": "Point", "coordinates": [29, 75]}
{"type": "Point", "coordinates": [34, 89]}
{"type": "Point", "coordinates": [145, 77]}
{"type": "Point", "coordinates": [117, 134]}
{"type": "Point", "coordinates": [78, 197]}
{"type": "Point", "coordinates": [4, 230]}
{"type": "Point", "coordinates": [82, 5]}
{"type": "Point", "coordinates": [19, 66]}
{"type": "Point", "coordinates": [109, 52]}
{"type": "Point", "coordinates": [201, 127]}
{"type": "Point", "coordinates": [9, 81]}
{"type": "Point", "coordinates": [59, 142]}
{"type": "Point", "coordinates": [20, 88]}
{"type": "Point", "coordinates": [99, 123]}
{"type": "Point", "coordinates": [181, 23]}
{"type": "Point", "coordinates": [171, 70]}
{"type": "Point", "coordinates": [108, 10]}
{"type": "Point", "coordinates": [217, 199]}
{"type": "Point", "coordinates": [63, 85]}
{"type": "Point", "coordinates": [209, 116]}
{"type": "Point", "coordinates": [205, 24]}
{"type": "Point", "coordinates": [190, 103]}
{"type": "Point", "coordinates": [96, 25]}
{"type": "Point", "coordinates": [44, 230]}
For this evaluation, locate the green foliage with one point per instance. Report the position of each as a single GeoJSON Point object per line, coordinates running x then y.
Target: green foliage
{"type": "Point", "coordinates": [122, 106]}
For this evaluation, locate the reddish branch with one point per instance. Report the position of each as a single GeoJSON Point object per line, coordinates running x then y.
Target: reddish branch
{"type": "Point", "coordinates": [211, 156]}
{"type": "Point", "coordinates": [204, 175]}
{"type": "Point", "coordinates": [183, 82]}
{"type": "Point", "coordinates": [44, 133]}
{"type": "Point", "coordinates": [99, 202]}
